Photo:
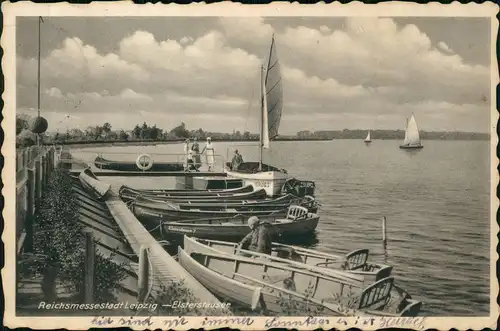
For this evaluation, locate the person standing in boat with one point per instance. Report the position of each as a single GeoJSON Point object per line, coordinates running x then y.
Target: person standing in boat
{"type": "Point", "coordinates": [260, 238]}
{"type": "Point", "coordinates": [186, 154]}
{"type": "Point", "coordinates": [237, 160]}
{"type": "Point", "coordinates": [210, 153]}
{"type": "Point", "coordinates": [196, 153]}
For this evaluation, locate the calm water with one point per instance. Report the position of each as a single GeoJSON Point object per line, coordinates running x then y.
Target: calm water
{"type": "Point", "coordinates": [436, 201]}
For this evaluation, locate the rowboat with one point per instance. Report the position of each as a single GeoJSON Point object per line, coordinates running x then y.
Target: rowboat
{"type": "Point", "coordinates": [167, 211]}
{"type": "Point", "coordinates": [280, 289]}
{"type": "Point", "coordinates": [354, 263]}
{"type": "Point", "coordinates": [194, 208]}
{"type": "Point", "coordinates": [91, 183]}
{"type": "Point", "coordinates": [298, 221]}
{"type": "Point", "coordinates": [260, 194]}
{"type": "Point", "coordinates": [168, 192]}
{"type": "Point", "coordinates": [105, 164]}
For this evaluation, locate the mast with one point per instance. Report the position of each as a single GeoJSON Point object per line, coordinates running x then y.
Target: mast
{"type": "Point", "coordinates": [261, 145]}
{"type": "Point", "coordinates": [40, 20]}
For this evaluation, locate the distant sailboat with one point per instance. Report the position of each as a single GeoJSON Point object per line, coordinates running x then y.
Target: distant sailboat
{"type": "Point", "coordinates": [368, 138]}
{"type": "Point", "coordinates": [412, 136]}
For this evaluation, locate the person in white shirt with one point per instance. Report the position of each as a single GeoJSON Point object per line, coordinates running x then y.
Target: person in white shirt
{"type": "Point", "coordinates": [210, 153]}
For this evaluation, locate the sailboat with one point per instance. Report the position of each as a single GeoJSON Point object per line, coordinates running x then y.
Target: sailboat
{"type": "Point", "coordinates": [412, 137]}
{"type": "Point", "coordinates": [258, 174]}
{"type": "Point", "coordinates": [368, 138]}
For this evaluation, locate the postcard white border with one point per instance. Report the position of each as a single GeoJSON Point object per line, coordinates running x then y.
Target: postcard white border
{"type": "Point", "coordinates": [12, 10]}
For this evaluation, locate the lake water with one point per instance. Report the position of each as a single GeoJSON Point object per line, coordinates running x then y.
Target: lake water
{"type": "Point", "coordinates": [436, 200]}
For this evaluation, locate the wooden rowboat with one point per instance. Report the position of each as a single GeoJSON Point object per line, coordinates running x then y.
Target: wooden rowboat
{"type": "Point", "coordinates": [259, 194]}
{"type": "Point", "coordinates": [105, 164]}
{"type": "Point", "coordinates": [167, 212]}
{"type": "Point", "coordinates": [192, 209]}
{"type": "Point", "coordinates": [354, 263]}
{"type": "Point", "coordinates": [298, 221]}
{"type": "Point", "coordinates": [167, 192]}
{"type": "Point", "coordinates": [276, 288]}
{"type": "Point", "coordinates": [90, 182]}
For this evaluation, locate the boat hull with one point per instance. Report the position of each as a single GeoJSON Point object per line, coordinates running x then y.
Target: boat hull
{"type": "Point", "coordinates": [237, 228]}
{"type": "Point", "coordinates": [271, 181]}
{"type": "Point", "coordinates": [143, 211]}
{"type": "Point", "coordinates": [411, 147]}
{"type": "Point", "coordinates": [176, 193]}
{"type": "Point", "coordinates": [105, 164]}
{"type": "Point", "coordinates": [265, 285]}
{"type": "Point", "coordinates": [358, 267]}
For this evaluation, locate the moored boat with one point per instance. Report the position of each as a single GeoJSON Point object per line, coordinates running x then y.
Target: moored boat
{"type": "Point", "coordinates": [127, 194]}
{"type": "Point", "coordinates": [298, 221]}
{"type": "Point", "coordinates": [354, 263]}
{"type": "Point", "coordinates": [174, 192]}
{"type": "Point", "coordinates": [276, 288]}
{"type": "Point", "coordinates": [106, 164]}
{"type": "Point", "coordinates": [215, 205]}
{"type": "Point", "coordinates": [167, 211]}
{"type": "Point", "coordinates": [258, 174]}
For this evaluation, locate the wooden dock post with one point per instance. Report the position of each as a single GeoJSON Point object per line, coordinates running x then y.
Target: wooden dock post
{"type": "Point", "coordinates": [43, 158]}
{"type": "Point", "coordinates": [30, 214]}
{"type": "Point", "coordinates": [143, 277]}
{"type": "Point", "coordinates": [384, 231]}
{"type": "Point", "coordinates": [89, 272]}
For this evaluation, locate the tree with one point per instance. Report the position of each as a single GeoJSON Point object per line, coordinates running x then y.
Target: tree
{"type": "Point", "coordinates": [123, 135]}
{"type": "Point", "coordinates": [137, 131]}
{"type": "Point", "coordinates": [180, 131]}
{"type": "Point", "coordinates": [106, 128]}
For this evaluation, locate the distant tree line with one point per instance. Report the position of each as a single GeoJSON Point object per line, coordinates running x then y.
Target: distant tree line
{"type": "Point", "coordinates": [145, 132]}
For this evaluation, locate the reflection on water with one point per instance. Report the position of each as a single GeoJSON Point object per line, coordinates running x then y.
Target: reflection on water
{"type": "Point", "coordinates": [436, 201]}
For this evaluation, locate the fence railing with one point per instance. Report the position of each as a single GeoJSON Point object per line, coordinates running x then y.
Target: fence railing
{"type": "Point", "coordinates": [34, 165]}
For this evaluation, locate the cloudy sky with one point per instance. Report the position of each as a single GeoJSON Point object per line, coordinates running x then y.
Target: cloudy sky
{"type": "Point", "coordinates": [356, 73]}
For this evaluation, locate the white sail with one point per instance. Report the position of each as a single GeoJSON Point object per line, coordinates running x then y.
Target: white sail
{"type": "Point", "coordinates": [273, 97]}
{"type": "Point", "coordinates": [368, 137]}
{"type": "Point", "coordinates": [412, 137]}
{"type": "Point", "coordinates": [264, 131]}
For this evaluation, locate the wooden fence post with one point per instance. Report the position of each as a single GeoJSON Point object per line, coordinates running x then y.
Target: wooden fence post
{"type": "Point", "coordinates": [89, 272]}
{"type": "Point", "coordinates": [143, 277]}
{"type": "Point", "coordinates": [44, 169]}
{"type": "Point", "coordinates": [28, 224]}
{"type": "Point", "coordinates": [384, 231]}
{"type": "Point", "coordinates": [38, 183]}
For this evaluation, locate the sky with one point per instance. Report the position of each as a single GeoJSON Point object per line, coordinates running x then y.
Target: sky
{"type": "Point", "coordinates": [337, 72]}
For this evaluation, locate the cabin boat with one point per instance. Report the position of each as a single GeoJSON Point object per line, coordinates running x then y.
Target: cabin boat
{"type": "Point", "coordinates": [106, 164]}
{"type": "Point", "coordinates": [412, 136]}
{"type": "Point", "coordinates": [298, 221]}
{"type": "Point", "coordinates": [258, 174]}
{"type": "Point", "coordinates": [354, 263]}
{"type": "Point", "coordinates": [275, 288]}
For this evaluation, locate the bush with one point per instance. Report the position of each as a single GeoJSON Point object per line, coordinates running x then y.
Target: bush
{"type": "Point", "coordinates": [59, 236]}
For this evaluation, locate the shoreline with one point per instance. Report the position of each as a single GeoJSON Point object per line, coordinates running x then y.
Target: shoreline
{"type": "Point", "coordinates": [124, 143]}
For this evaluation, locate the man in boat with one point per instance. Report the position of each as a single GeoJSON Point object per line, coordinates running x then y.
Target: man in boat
{"type": "Point", "coordinates": [237, 160]}
{"type": "Point", "coordinates": [196, 153]}
{"type": "Point", "coordinates": [210, 153]}
{"type": "Point", "coordinates": [259, 239]}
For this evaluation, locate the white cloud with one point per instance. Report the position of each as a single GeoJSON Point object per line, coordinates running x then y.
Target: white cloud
{"type": "Point", "coordinates": [371, 68]}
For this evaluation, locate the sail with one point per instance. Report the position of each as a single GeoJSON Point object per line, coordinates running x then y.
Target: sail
{"type": "Point", "coordinates": [368, 138]}
{"type": "Point", "coordinates": [412, 136]}
{"type": "Point", "coordinates": [273, 97]}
